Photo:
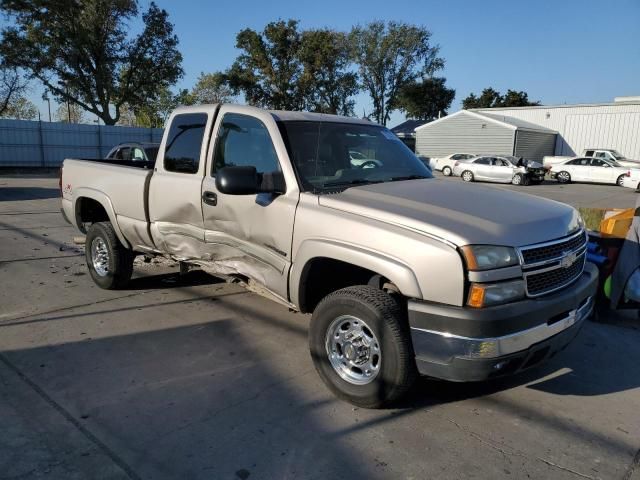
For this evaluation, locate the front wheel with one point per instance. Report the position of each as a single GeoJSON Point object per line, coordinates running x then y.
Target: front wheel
{"type": "Point", "coordinates": [563, 177]}
{"type": "Point", "coordinates": [361, 346]}
{"type": "Point", "coordinates": [446, 171]}
{"type": "Point", "coordinates": [467, 176]}
{"type": "Point", "coordinates": [620, 181]}
{"type": "Point", "coordinates": [110, 263]}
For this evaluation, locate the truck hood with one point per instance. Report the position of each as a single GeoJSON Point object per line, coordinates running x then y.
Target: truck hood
{"type": "Point", "coordinates": [459, 213]}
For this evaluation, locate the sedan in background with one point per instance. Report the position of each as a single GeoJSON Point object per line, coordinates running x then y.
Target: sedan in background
{"type": "Point", "coordinates": [500, 169]}
{"type": "Point", "coordinates": [633, 180]}
{"type": "Point", "coordinates": [446, 164]}
{"type": "Point", "coordinates": [591, 170]}
{"type": "Point", "coordinates": [135, 152]}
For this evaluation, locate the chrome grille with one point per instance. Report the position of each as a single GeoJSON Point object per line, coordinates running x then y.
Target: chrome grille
{"type": "Point", "coordinates": [550, 251]}
{"type": "Point", "coordinates": [555, 278]}
{"type": "Point", "coordinates": [550, 266]}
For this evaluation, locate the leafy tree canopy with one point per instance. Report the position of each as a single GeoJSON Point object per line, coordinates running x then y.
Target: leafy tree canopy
{"type": "Point", "coordinates": [490, 98]}
{"type": "Point", "coordinates": [82, 51]}
{"type": "Point", "coordinates": [426, 99]}
{"type": "Point", "coordinates": [389, 56]}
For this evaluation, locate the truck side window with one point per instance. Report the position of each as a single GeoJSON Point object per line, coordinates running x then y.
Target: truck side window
{"type": "Point", "coordinates": [245, 141]}
{"type": "Point", "coordinates": [184, 142]}
{"type": "Point", "coordinates": [123, 153]}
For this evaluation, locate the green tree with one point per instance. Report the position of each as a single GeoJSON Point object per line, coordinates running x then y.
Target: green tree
{"type": "Point", "coordinates": [426, 99]}
{"type": "Point", "coordinates": [268, 71]}
{"type": "Point", "coordinates": [82, 51]}
{"type": "Point", "coordinates": [212, 88]}
{"type": "Point", "coordinates": [69, 113]}
{"type": "Point", "coordinates": [19, 108]}
{"type": "Point", "coordinates": [490, 98]}
{"type": "Point", "coordinates": [328, 85]}
{"type": "Point", "coordinates": [12, 87]}
{"type": "Point", "coordinates": [390, 56]}
{"type": "Point", "coordinates": [155, 112]}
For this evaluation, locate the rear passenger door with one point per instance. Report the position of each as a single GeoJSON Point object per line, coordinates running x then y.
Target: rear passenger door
{"type": "Point", "coordinates": [175, 207]}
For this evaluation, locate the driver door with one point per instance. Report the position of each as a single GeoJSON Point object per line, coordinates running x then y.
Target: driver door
{"type": "Point", "coordinates": [601, 171]}
{"type": "Point", "coordinates": [502, 170]}
{"type": "Point", "coordinates": [249, 235]}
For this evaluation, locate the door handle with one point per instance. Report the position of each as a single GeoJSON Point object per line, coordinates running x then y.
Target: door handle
{"type": "Point", "coordinates": [210, 198]}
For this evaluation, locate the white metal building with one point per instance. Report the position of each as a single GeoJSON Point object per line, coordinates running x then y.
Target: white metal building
{"type": "Point", "coordinates": [600, 125]}
{"type": "Point", "coordinates": [577, 127]}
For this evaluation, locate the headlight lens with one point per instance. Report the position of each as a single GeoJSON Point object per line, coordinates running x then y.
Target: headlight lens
{"type": "Point", "coordinates": [487, 257]}
{"type": "Point", "coordinates": [485, 294]}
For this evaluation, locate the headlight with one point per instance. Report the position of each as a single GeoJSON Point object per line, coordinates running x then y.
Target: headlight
{"type": "Point", "coordinates": [486, 294]}
{"type": "Point", "coordinates": [487, 257]}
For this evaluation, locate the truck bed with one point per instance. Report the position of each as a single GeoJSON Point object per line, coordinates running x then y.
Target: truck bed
{"type": "Point", "coordinates": [123, 184]}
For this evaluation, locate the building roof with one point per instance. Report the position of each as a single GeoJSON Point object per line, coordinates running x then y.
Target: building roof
{"type": "Point", "coordinates": [502, 120]}
{"type": "Point", "coordinates": [407, 128]}
{"type": "Point", "coordinates": [618, 102]}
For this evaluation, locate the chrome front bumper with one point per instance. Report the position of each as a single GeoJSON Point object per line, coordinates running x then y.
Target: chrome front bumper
{"type": "Point", "coordinates": [443, 347]}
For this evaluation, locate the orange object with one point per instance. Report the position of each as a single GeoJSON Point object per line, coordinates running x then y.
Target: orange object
{"type": "Point", "coordinates": [618, 225]}
{"type": "Point", "coordinates": [476, 296]}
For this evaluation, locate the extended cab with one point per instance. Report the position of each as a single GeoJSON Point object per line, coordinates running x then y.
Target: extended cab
{"type": "Point", "coordinates": [403, 273]}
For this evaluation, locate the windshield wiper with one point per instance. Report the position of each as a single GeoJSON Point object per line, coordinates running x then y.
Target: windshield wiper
{"type": "Point", "coordinates": [408, 177]}
{"type": "Point", "coordinates": [350, 183]}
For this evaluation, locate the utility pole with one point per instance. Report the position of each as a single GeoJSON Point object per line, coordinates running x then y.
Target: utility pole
{"type": "Point", "coordinates": [45, 97]}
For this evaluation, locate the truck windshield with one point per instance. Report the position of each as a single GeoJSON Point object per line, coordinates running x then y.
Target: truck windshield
{"type": "Point", "coordinates": [331, 156]}
{"type": "Point", "coordinates": [616, 155]}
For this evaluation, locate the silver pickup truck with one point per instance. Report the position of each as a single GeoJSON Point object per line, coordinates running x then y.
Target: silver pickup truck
{"type": "Point", "coordinates": [404, 274]}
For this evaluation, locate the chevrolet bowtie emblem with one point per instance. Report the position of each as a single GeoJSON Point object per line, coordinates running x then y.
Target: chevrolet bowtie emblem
{"type": "Point", "coordinates": [568, 260]}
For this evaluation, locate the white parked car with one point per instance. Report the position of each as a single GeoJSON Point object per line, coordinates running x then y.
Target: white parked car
{"type": "Point", "coordinates": [500, 169]}
{"type": "Point", "coordinates": [601, 153]}
{"type": "Point", "coordinates": [633, 180]}
{"type": "Point", "coordinates": [589, 169]}
{"type": "Point", "coordinates": [446, 164]}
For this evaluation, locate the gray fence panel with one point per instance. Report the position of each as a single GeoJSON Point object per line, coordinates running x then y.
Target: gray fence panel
{"type": "Point", "coordinates": [26, 143]}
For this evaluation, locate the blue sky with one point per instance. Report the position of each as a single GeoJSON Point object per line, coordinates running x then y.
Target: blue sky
{"type": "Point", "coordinates": [558, 51]}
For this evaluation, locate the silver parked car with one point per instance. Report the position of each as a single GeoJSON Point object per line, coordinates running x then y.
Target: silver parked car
{"type": "Point", "coordinates": [501, 169]}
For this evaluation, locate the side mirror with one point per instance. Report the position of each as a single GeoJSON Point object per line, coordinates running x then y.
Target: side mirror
{"type": "Point", "coordinates": [247, 181]}
{"type": "Point", "coordinates": [237, 180]}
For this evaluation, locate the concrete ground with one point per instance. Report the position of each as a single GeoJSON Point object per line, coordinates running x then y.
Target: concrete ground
{"type": "Point", "coordinates": [187, 377]}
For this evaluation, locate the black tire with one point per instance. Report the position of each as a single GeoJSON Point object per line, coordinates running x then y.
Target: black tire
{"type": "Point", "coordinates": [620, 181]}
{"type": "Point", "coordinates": [467, 176]}
{"type": "Point", "coordinates": [388, 322]}
{"type": "Point", "coordinates": [446, 171]}
{"type": "Point", "coordinates": [563, 177]}
{"type": "Point", "coordinates": [119, 261]}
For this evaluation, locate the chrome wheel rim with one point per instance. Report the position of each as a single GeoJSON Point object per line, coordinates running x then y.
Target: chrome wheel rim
{"type": "Point", "coordinates": [466, 177]}
{"type": "Point", "coordinates": [621, 180]}
{"type": "Point", "coordinates": [516, 180]}
{"type": "Point", "coordinates": [446, 171]}
{"type": "Point", "coordinates": [353, 350]}
{"type": "Point", "coordinates": [563, 176]}
{"type": "Point", "coordinates": [100, 256]}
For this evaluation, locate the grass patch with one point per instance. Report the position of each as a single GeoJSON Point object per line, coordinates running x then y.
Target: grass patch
{"type": "Point", "coordinates": [592, 217]}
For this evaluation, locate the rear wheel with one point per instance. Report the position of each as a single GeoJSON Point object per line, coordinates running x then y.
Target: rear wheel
{"type": "Point", "coordinates": [446, 171]}
{"type": "Point", "coordinates": [361, 346]}
{"type": "Point", "coordinates": [110, 263]}
{"type": "Point", "coordinates": [620, 181]}
{"type": "Point", "coordinates": [467, 176]}
{"type": "Point", "coordinates": [563, 177]}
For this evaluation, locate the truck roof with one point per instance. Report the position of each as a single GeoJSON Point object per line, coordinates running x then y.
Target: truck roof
{"type": "Point", "coordinates": [282, 115]}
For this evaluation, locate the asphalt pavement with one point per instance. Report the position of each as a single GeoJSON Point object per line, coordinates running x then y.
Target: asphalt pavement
{"type": "Point", "coordinates": [189, 377]}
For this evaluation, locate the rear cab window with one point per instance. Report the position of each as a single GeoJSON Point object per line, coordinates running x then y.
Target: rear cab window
{"type": "Point", "coordinates": [184, 143]}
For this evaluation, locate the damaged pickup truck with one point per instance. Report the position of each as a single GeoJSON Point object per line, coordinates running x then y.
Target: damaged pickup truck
{"type": "Point", "coordinates": [404, 274]}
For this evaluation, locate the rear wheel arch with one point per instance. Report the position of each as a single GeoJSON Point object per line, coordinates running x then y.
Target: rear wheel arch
{"type": "Point", "coordinates": [90, 207]}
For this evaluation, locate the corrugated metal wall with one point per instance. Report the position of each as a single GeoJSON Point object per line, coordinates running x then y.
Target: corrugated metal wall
{"type": "Point", "coordinates": [26, 143]}
{"type": "Point", "coordinates": [586, 126]}
{"type": "Point", "coordinates": [534, 145]}
{"type": "Point", "coordinates": [463, 133]}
